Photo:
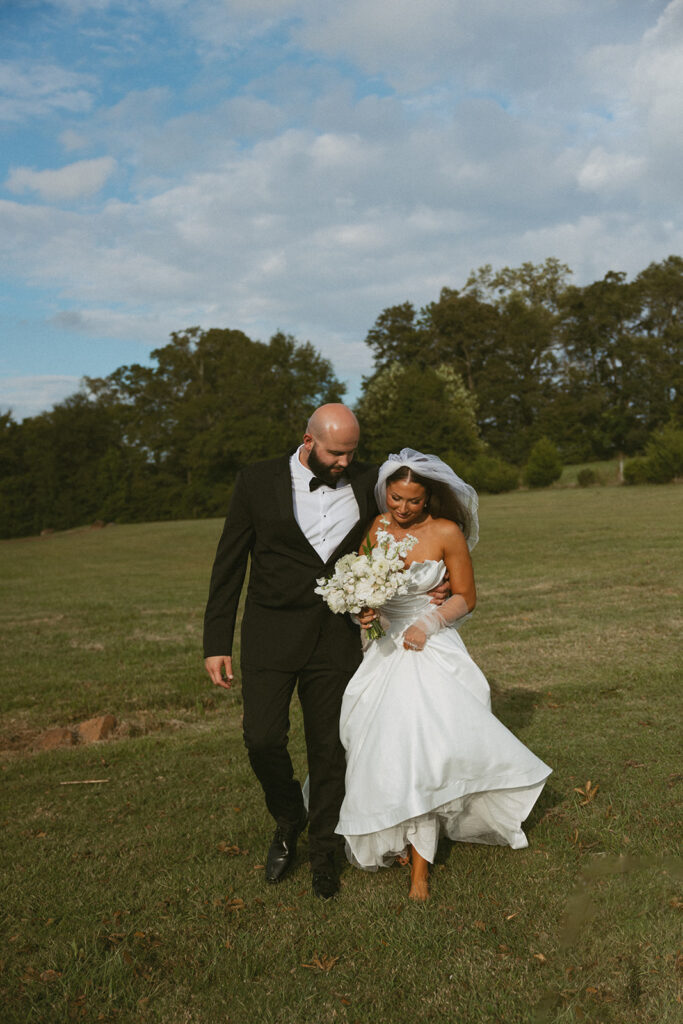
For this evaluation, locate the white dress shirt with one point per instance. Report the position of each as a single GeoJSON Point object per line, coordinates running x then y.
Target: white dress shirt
{"type": "Point", "coordinates": [325, 515]}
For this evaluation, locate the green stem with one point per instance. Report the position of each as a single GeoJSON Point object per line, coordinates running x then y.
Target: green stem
{"type": "Point", "coordinates": [375, 630]}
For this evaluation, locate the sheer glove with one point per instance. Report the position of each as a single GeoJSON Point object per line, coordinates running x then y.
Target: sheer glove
{"type": "Point", "coordinates": [432, 620]}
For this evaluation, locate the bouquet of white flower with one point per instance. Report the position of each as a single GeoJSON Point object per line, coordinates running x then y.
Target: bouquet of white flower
{"type": "Point", "coordinates": [369, 579]}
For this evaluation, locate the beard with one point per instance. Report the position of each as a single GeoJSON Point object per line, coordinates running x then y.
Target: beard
{"type": "Point", "coordinates": [322, 471]}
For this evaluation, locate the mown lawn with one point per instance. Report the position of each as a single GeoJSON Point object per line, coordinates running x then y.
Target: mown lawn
{"type": "Point", "coordinates": [141, 898]}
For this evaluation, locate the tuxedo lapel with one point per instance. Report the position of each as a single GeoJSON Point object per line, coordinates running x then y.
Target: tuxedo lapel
{"type": "Point", "coordinates": [360, 492]}
{"type": "Point", "coordinates": [282, 485]}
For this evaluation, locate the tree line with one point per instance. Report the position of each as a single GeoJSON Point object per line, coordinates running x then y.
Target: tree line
{"type": "Point", "coordinates": [480, 376]}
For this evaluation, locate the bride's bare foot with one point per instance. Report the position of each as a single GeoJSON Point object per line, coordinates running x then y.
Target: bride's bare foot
{"type": "Point", "coordinates": [419, 876]}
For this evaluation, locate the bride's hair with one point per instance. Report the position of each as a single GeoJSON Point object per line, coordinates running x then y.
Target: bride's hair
{"type": "Point", "coordinates": [441, 501]}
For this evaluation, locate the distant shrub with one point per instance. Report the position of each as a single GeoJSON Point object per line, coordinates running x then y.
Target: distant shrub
{"type": "Point", "coordinates": [662, 461]}
{"type": "Point", "coordinates": [491, 475]}
{"type": "Point", "coordinates": [544, 466]}
{"type": "Point", "coordinates": [636, 471]}
{"type": "Point", "coordinates": [664, 454]}
{"type": "Point", "coordinates": [586, 477]}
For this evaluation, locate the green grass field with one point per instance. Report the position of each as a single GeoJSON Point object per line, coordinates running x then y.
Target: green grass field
{"type": "Point", "coordinates": [142, 898]}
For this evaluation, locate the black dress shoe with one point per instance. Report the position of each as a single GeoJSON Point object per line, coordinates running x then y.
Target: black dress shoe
{"type": "Point", "coordinates": [282, 850]}
{"type": "Point", "coordinates": [325, 884]}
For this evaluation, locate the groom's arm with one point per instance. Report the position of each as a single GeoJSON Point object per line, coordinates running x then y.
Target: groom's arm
{"type": "Point", "coordinates": [227, 578]}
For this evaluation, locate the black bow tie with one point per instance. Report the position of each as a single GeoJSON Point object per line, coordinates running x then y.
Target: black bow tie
{"type": "Point", "coordinates": [315, 482]}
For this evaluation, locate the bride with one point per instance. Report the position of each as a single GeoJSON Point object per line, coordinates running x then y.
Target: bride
{"type": "Point", "coordinates": [424, 754]}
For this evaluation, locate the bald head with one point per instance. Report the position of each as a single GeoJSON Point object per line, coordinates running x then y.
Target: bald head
{"type": "Point", "coordinates": [333, 422]}
{"type": "Point", "coordinates": [330, 441]}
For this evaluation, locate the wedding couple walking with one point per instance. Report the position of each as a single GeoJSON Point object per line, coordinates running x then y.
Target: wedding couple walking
{"type": "Point", "coordinates": [401, 742]}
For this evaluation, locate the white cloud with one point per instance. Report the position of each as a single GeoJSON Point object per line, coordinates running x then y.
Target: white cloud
{"type": "Point", "coordinates": [594, 244]}
{"type": "Point", "coordinates": [605, 171]}
{"type": "Point", "coordinates": [72, 140]}
{"type": "Point", "coordinates": [148, 328]}
{"type": "Point", "coordinates": [641, 84]}
{"type": "Point", "coordinates": [29, 396]}
{"type": "Point", "coordinates": [37, 89]}
{"type": "Point", "coordinates": [75, 181]}
{"type": "Point", "coordinates": [485, 45]}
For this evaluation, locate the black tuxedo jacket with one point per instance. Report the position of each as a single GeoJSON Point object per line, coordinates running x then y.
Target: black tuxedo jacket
{"type": "Point", "coordinates": [283, 618]}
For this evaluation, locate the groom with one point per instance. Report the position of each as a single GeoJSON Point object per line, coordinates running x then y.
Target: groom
{"type": "Point", "coordinates": [295, 516]}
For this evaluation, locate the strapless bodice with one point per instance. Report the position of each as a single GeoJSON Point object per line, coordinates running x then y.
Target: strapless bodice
{"type": "Point", "coordinates": [403, 609]}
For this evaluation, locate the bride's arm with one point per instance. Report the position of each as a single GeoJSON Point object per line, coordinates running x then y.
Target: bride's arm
{"type": "Point", "coordinates": [464, 595]}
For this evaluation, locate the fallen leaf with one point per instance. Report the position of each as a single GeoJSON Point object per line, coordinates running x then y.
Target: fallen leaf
{"type": "Point", "coordinates": [588, 792]}
{"type": "Point", "coordinates": [539, 957]}
{"type": "Point", "coordinates": [231, 849]}
{"type": "Point", "coordinates": [50, 975]}
{"type": "Point", "coordinates": [510, 916]}
{"type": "Point", "coordinates": [324, 963]}
{"type": "Point", "coordinates": [480, 925]}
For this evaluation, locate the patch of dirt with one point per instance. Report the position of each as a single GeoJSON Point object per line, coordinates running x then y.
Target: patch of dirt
{"type": "Point", "coordinates": [18, 738]}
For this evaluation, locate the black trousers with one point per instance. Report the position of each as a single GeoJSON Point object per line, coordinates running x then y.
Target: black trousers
{"type": "Point", "coordinates": [267, 694]}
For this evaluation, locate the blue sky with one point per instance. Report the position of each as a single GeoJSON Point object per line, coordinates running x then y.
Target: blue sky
{"type": "Point", "coordinates": [303, 164]}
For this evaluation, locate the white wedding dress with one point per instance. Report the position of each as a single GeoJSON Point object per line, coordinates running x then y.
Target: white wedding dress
{"type": "Point", "coordinates": [424, 754]}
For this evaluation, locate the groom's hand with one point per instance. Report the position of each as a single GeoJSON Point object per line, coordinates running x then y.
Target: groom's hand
{"type": "Point", "coordinates": [215, 666]}
{"type": "Point", "coordinates": [441, 593]}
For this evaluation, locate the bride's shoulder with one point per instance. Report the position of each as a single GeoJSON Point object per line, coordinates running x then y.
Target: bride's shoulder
{"type": "Point", "coordinates": [444, 525]}
{"type": "Point", "coordinates": [448, 531]}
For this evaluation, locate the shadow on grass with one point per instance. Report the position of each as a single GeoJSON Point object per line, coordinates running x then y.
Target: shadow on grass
{"type": "Point", "coordinates": [549, 798]}
{"type": "Point", "coordinates": [515, 708]}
